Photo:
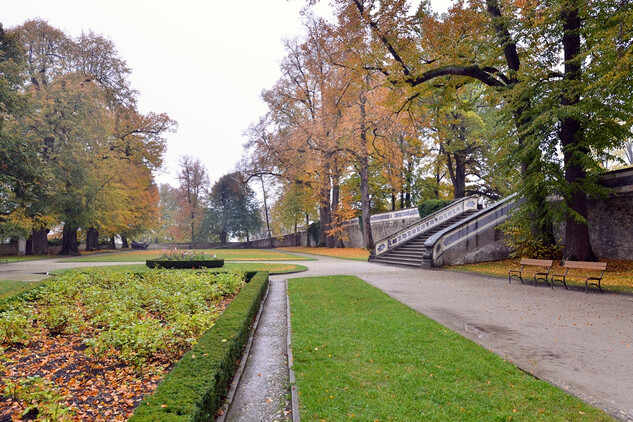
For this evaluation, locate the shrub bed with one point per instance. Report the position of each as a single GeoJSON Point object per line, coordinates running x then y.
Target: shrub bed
{"type": "Point", "coordinates": [95, 343]}
{"type": "Point", "coordinates": [193, 264]}
{"type": "Point", "coordinates": [195, 388]}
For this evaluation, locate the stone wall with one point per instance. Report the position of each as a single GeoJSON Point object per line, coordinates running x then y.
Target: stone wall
{"type": "Point", "coordinates": [353, 236]}
{"type": "Point", "coordinates": [611, 227]}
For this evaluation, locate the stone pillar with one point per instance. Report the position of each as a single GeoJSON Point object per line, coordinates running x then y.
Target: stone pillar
{"type": "Point", "coordinates": [21, 246]}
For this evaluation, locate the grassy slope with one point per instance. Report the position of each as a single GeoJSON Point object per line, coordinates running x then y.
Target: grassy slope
{"type": "Point", "coordinates": [360, 354]}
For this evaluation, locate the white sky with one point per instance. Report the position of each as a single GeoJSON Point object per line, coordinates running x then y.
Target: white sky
{"type": "Point", "coordinates": [204, 63]}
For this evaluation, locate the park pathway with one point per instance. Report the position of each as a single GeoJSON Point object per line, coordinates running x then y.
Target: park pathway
{"type": "Point", "coordinates": [576, 341]}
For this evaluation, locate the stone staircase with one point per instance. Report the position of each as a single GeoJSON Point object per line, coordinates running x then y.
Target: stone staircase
{"type": "Point", "coordinates": [410, 254]}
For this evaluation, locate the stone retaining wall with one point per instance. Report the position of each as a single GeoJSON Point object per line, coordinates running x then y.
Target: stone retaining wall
{"type": "Point", "coordinates": [611, 223]}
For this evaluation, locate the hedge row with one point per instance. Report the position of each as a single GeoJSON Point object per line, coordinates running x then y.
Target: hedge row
{"type": "Point", "coordinates": [194, 389]}
{"type": "Point", "coordinates": [199, 263]}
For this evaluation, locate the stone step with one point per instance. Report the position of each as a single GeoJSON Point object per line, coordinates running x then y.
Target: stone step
{"type": "Point", "coordinates": [410, 254]}
{"type": "Point", "coordinates": [397, 262]}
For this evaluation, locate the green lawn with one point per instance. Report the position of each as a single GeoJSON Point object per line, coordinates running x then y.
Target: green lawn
{"type": "Point", "coordinates": [11, 288]}
{"type": "Point", "coordinates": [226, 254]}
{"type": "Point", "coordinates": [14, 258]}
{"type": "Point", "coordinates": [359, 354]}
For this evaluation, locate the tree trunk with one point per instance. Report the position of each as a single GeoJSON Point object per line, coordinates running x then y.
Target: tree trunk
{"type": "Point", "coordinates": [112, 242]}
{"type": "Point", "coordinates": [307, 230]}
{"type": "Point", "coordinates": [336, 195]}
{"type": "Point", "coordinates": [192, 244]}
{"type": "Point", "coordinates": [70, 246]}
{"type": "Point", "coordinates": [125, 244]}
{"type": "Point", "coordinates": [577, 243]}
{"type": "Point", "coordinates": [39, 244]}
{"type": "Point", "coordinates": [325, 218]}
{"type": "Point", "coordinates": [368, 239]}
{"type": "Point", "coordinates": [92, 239]}
{"type": "Point", "coordinates": [270, 236]}
{"type": "Point", "coordinates": [223, 238]}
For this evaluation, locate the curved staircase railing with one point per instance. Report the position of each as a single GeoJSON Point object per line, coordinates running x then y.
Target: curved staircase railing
{"type": "Point", "coordinates": [458, 207]}
{"type": "Point", "coordinates": [451, 237]}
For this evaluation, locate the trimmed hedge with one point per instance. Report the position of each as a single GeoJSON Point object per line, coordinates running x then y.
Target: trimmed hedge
{"type": "Point", "coordinates": [432, 205]}
{"type": "Point", "coordinates": [194, 389]}
{"type": "Point", "coordinates": [195, 264]}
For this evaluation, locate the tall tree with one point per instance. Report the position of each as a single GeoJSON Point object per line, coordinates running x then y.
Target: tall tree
{"type": "Point", "coordinates": [82, 117]}
{"type": "Point", "coordinates": [193, 181]}
{"type": "Point", "coordinates": [233, 208]}
{"type": "Point", "coordinates": [479, 40]}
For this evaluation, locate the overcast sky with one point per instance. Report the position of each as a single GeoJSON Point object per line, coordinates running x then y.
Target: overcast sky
{"type": "Point", "coordinates": [204, 63]}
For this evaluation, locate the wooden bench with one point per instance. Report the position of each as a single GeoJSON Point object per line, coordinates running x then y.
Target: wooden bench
{"type": "Point", "coordinates": [582, 265]}
{"type": "Point", "coordinates": [6, 260]}
{"type": "Point", "coordinates": [537, 275]}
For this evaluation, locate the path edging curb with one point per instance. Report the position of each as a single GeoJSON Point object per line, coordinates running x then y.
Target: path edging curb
{"type": "Point", "coordinates": [294, 391]}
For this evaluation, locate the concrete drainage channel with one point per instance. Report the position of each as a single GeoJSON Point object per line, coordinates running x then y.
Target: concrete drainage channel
{"type": "Point", "coordinates": [259, 391]}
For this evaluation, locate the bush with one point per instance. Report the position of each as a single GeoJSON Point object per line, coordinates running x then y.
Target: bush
{"type": "Point", "coordinates": [195, 388]}
{"type": "Point", "coordinates": [432, 205]}
{"type": "Point", "coordinates": [167, 264]}
{"type": "Point", "coordinates": [523, 243]}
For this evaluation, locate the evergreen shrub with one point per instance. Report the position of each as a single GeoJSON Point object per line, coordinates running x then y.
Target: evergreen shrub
{"type": "Point", "coordinates": [168, 264]}
{"type": "Point", "coordinates": [432, 205]}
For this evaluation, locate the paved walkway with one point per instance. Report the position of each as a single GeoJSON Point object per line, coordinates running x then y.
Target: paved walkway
{"type": "Point", "coordinates": [579, 342]}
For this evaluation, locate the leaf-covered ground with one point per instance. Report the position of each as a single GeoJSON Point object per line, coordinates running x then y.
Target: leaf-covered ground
{"type": "Point", "coordinates": [98, 369]}
{"type": "Point", "coordinates": [356, 254]}
{"type": "Point", "coordinates": [618, 277]}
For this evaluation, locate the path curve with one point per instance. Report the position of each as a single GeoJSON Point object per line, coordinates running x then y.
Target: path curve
{"type": "Point", "coordinates": [579, 342]}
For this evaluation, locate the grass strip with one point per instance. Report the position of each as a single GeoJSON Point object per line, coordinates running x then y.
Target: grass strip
{"type": "Point", "coordinates": [270, 268]}
{"type": "Point", "coordinates": [359, 354]}
{"type": "Point", "coordinates": [15, 291]}
{"type": "Point", "coordinates": [354, 254]}
{"type": "Point", "coordinates": [226, 254]}
{"type": "Point", "coordinates": [11, 288]}
{"type": "Point", "coordinates": [195, 388]}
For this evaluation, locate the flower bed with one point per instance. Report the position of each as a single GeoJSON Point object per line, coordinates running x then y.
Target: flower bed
{"type": "Point", "coordinates": [166, 264]}
{"type": "Point", "coordinates": [180, 259]}
{"type": "Point", "coordinates": [90, 346]}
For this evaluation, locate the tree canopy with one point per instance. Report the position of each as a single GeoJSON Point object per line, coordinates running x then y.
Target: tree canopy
{"type": "Point", "coordinates": [75, 149]}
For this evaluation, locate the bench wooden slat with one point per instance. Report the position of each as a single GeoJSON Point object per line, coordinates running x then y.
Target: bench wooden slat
{"type": "Point", "coordinates": [537, 262]}
{"type": "Point", "coordinates": [536, 275]}
{"type": "Point", "coordinates": [583, 265]}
